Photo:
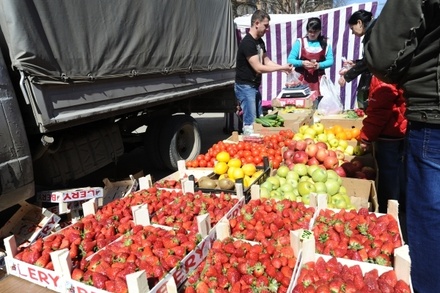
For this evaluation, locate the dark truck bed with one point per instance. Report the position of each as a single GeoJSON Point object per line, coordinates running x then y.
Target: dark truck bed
{"type": "Point", "coordinates": [81, 74]}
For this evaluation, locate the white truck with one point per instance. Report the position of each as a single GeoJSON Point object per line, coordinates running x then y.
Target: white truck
{"type": "Point", "coordinates": [78, 76]}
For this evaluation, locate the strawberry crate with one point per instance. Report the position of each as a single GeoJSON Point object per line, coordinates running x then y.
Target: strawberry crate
{"type": "Point", "coordinates": [358, 234]}
{"type": "Point", "coordinates": [341, 274]}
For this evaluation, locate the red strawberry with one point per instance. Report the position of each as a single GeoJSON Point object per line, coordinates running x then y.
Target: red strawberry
{"type": "Point", "coordinates": [202, 287]}
{"type": "Point", "coordinates": [99, 280]}
{"type": "Point", "coordinates": [258, 270]}
{"type": "Point", "coordinates": [77, 274]}
{"type": "Point", "coordinates": [43, 260]}
{"type": "Point", "coordinates": [387, 248]}
{"type": "Point", "coordinates": [121, 285]}
{"type": "Point", "coordinates": [402, 287]}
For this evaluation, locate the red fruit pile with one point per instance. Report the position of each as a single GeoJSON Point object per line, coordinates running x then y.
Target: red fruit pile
{"type": "Point", "coordinates": [93, 232]}
{"type": "Point", "coordinates": [238, 266]}
{"type": "Point", "coordinates": [357, 235]}
{"type": "Point", "coordinates": [182, 212]}
{"type": "Point", "coordinates": [270, 219]}
{"type": "Point", "coordinates": [168, 183]}
{"type": "Point", "coordinates": [148, 248]}
{"type": "Point", "coordinates": [332, 276]}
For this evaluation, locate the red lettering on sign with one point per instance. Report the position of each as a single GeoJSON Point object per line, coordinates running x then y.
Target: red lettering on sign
{"type": "Point", "coordinates": [179, 277]}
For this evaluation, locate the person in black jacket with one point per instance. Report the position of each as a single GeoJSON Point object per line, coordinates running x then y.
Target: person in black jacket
{"type": "Point", "coordinates": [359, 23]}
{"type": "Point", "coordinates": [404, 48]}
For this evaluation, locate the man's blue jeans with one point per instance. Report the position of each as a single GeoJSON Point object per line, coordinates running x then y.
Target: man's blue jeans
{"type": "Point", "coordinates": [423, 205]}
{"type": "Point", "coordinates": [391, 181]}
{"type": "Point", "coordinates": [250, 102]}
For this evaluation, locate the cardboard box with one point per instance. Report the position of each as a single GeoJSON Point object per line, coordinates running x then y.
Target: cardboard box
{"type": "Point", "coordinates": [292, 121]}
{"type": "Point", "coordinates": [300, 102]}
{"type": "Point", "coordinates": [339, 119]}
{"type": "Point", "coordinates": [362, 192]}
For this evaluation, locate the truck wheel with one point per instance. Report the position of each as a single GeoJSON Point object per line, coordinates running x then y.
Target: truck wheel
{"type": "Point", "coordinates": [152, 147]}
{"type": "Point", "coordinates": [179, 140]}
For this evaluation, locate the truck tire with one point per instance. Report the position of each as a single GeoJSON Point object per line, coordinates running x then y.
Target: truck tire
{"type": "Point", "coordinates": [152, 147]}
{"type": "Point", "coordinates": [179, 140]}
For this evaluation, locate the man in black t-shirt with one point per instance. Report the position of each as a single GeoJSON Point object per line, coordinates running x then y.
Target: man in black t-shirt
{"type": "Point", "coordinates": [251, 62]}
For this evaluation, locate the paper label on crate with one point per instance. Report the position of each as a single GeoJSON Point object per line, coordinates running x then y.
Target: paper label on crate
{"type": "Point", "coordinates": [70, 195]}
{"type": "Point", "coordinates": [34, 274]}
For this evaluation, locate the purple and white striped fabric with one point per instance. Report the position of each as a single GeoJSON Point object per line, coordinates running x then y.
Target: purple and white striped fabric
{"type": "Point", "coordinates": [285, 29]}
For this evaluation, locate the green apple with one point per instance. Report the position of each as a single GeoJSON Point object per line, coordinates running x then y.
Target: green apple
{"type": "Point", "coordinates": [346, 198]}
{"type": "Point", "coordinates": [298, 136]}
{"type": "Point", "coordinates": [290, 196]}
{"type": "Point", "coordinates": [322, 137]}
{"type": "Point", "coordinates": [282, 171]}
{"type": "Point", "coordinates": [306, 187]}
{"type": "Point", "coordinates": [338, 201]}
{"type": "Point", "coordinates": [286, 187]}
{"type": "Point", "coordinates": [282, 180]}
{"type": "Point", "coordinates": [318, 127]}
{"type": "Point", "coordinates": [310, 131]}
{"type": "Point", "coordinates": [311, 169]}
{"type": "Point", "coordinates": [333, 142]}
{"type": "Point", "coordinates": [306, 198]}
{"type": "Point", "coordinates": [275, 181]}
{"type": "Point", "coordinates": [267, 185]}
{"type": "Point", "coordinates": [292, 182]}
{"type": "Point", "coordinates": [358, 151]}
{"type": "Point", "coordinates": [342, 190]}
{"type": "Point", "coordinates": [331, 174]}
{"type": "Point", "coordinates": [308, 135]}
{"type": "Point", "coordinates": [276, 194]}
{"type": "Point", "coordinates": [320, 187]}
{"type": "Point", "coordinates": [319, 175]}
{"type": "Point", "coordinates": [332, 186]}
{"type": "Point", "coordinates": [292, 176]}
{"type": "Point", "coordinates": [264, 192]}
{"type": "Point", "coordinates": [330, 136]}
{"type": "Point", "coordinates": [349, 150]}
{"type": "Point", "coordinates": [303, 128]}
{"type": "Point", "coordinates": [304, 178]}
{"type": "Point", "coordinates": [300, 169]}
{"type": "Point", "coordinates": [343, 144]}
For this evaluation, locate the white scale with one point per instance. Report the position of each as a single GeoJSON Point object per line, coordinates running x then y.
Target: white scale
{"type": "Point", "coordinates": [296, 92]}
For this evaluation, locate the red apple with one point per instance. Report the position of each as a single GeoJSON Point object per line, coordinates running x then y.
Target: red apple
{"type": "Point", "coordinates": [331, 162]}
{"type": "Point", "coordinates": [321, 145]}
{"type": "Point", "coordinates": [313, 161]}
{"type": "Point", "coordinates": [340, 171]}
{"type": "Point", "coordinates": [311, 150]}
{"type": "Point", "coordinates": [309, 141]}
{"type": "Point", "coordinates": [300, 157]}
{"type": "Point", "coordinates": [288, 154]}
{"type": "Point", "coordinates": [369, 172]}
{"type": "Point", "coordinates": [357, 163]}
{"type": "Point", "coordinates": [331, 153]}
{"type": "Point", "coordinates": [300, 145]}
{"type": "Point", "coordinates": [349, 169]}
{"type": "Point", "coordinates": [291, 145]}
{"type": "Point", "coordinates": [321, 154]}
{"type": "Point", "coordinates": [360, 175]}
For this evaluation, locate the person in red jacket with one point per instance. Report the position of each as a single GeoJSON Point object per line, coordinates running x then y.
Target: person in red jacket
{"type": "Point", "coordinates": [384, 128]}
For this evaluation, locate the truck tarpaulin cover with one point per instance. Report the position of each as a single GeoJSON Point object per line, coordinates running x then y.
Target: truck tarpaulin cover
{"type": "Point", "coordinates": [81, 40]}
{"type": "Point", "coordinates": [286, 28]}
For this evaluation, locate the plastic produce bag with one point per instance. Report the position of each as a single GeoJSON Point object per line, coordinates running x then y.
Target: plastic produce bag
{"type": "Point", "coordinates": [330, 102]}
{"type": "Point", "coordinates": [294, 79]}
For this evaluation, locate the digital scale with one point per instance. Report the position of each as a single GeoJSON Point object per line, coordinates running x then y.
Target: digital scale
{"type": "Point", "coordinates": [296, 92]}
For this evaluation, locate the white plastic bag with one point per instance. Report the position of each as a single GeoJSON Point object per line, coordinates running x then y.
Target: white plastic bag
{"type": "Point", "coordinates": [294, 79]}
{"type": "Point", "coordinates": [330, 102]}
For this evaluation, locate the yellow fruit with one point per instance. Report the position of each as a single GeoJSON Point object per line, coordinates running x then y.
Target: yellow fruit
{"type": "Point", "coordinates": [231, 172]}
{"type": "Point", "coordinates": [249, 169]}
{"type": "Point", "coordinates": [220, 168]}
{"type": "Point", "coordinates": [223, 156]}
{"type": "Point", "coordinates": [238, 173]}
{"type": "Point", "coordinates": [247, 181]}
{"type": "Point", "coordinates": [234, 162]}
{"type": "Point", "coordinates": [257, 174]}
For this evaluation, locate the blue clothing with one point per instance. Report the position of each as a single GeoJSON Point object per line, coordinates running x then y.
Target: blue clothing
{"type": "Point", "coordinates": [389, 156]}
{"type": "Point", "coordinates": [294, 56]}
{"type": "Point", "coordinates": [423, 204]}
{"type": "Point", "coordinates": [250, 102]}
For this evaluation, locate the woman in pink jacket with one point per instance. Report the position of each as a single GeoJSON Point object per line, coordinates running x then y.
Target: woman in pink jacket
{"type": "Point", "coordinates": [385, 127]}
